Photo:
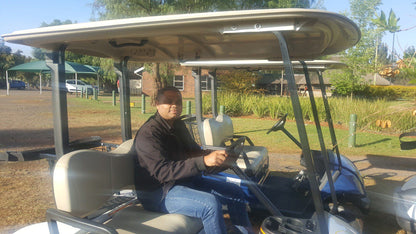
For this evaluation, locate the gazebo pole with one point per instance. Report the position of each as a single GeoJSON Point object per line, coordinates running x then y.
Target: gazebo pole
{"type": "Point", "coordinates": [40, 82]}
{"type": "Point", "coordinates": [7, 83]}
{"type": "Point", "coordinates": [76, 85]}
{"type": "Point", "coordinates": [98, 85]}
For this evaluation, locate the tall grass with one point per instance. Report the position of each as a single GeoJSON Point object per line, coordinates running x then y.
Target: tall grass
{"type": "Point", "coordinates": [367, 111]}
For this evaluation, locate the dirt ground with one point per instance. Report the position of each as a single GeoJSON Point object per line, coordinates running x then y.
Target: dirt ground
{"type": "Point", "coordinates": [26, 191]}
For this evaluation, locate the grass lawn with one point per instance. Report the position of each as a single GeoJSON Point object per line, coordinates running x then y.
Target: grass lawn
{"type": "Point", "coordinates": [367, 143]}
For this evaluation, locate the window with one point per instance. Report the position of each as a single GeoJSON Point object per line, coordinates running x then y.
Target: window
{"type": "Point", "coordinates": [178, 82]}
{"type": "Point", "coordinates": [205, 83]}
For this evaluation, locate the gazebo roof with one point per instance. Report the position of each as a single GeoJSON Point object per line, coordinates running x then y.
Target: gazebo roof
{"type": "Point", "coordinates": [40, 66]}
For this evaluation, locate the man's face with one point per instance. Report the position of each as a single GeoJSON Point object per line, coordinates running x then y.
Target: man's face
{"type": "Point", "coordinates": [170, 105]}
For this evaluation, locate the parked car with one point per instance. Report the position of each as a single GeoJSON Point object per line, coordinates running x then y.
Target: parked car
{"type": "Point", "coordinates": [81, 85]}
{"type": "Point", "coordinates": [17, 84]}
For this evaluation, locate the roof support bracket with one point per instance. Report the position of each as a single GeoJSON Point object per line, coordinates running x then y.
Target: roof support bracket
{"type": "Point", "coordinates": [214, 100]}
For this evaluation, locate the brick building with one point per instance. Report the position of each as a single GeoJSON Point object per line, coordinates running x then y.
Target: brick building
{"type": "Point", "coordinates": [183, 80]}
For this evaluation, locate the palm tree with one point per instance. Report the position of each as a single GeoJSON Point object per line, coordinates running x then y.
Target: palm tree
{"type": "Point", "coordinates": [388, 25]}
{"type": "Point", "coordinates": [392, 27]}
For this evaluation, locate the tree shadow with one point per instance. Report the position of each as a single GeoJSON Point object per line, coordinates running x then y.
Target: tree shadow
{"type": "Point", "coordinates": [373, 143]}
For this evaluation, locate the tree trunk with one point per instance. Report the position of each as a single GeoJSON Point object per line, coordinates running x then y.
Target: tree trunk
{"type": "Point", "coordinates": [158, 82]}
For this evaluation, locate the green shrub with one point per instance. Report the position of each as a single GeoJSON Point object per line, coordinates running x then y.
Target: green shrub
{"type": "Point", "coordinates": [389, 92]}
{"type": "Point", "coordinates": [368, 111]}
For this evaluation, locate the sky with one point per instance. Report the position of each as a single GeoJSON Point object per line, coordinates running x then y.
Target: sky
{"type": "Point", "coordinates": [27, 14]}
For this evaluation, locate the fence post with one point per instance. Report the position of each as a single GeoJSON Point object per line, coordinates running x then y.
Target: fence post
{"type": "Point", "coordinates": [82, 92]}
{"type": "Point", "coordinates": [188, 107]}
{"type": "Point", "coordinates": [352, 130]}
{"type": "Point", "coordinates": [114, 97]}
{"type": "Point", "coordinates": [222, 110]}
{"type": "Point", "coordinates": [95, 93]}
{"type": "Point", "coordinates": [143, 103]}
{"type": "Point", "coordinates": [86, 93]}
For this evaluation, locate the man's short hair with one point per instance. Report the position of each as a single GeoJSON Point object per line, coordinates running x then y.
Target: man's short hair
{"type": "Point", "coordinates": [161, 91]}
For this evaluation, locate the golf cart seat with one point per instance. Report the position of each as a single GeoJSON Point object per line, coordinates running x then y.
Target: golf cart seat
{"type": "Point", "coordinates": [84, 180]}
{"type": "Point", "coordinates": [218, 131]}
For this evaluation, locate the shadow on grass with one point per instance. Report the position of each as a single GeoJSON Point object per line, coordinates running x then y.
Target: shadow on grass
{"type": "Point", "coordinates": [373, 143]}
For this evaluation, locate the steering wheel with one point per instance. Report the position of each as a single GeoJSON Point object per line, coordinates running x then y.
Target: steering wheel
{"type": "Point", "coordinates": [279, 125]}
{"type": "Point", "coordinates": [236, 148]}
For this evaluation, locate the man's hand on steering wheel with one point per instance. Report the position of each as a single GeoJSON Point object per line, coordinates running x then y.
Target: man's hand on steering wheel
{"type": "Point", "coordinates": [215, 158]}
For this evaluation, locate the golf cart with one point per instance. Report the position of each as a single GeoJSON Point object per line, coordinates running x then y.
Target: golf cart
{"type": "Point", "coordinates": [84, 180]}
{"type": "Point", "coordinates": [343, 193]}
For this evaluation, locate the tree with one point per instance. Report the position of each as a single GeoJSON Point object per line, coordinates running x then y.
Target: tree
{"type": "Point", "coordinates": [409, 52]}
{"type": "Point", "coordinates": [383, 57]}
{"type": "Point", "coordinates": [108, 77]}
{"type": "Point", "coordinates": [360, 58]}
{"type": "Point", "coordinates": [9, 60]}
{"type": "Point", "coordinates": [39, 53]}
{"type": "Point", "coordinates": [239, 81]}
{"type": "Point", "coordinates": [389, 25]}
{"type": "Point", "coordinates": [112, 9]}
{"type": "Point", "coordinates": [407, 67]}
{"type": "Point", "coordinates": [6, 60]}
{"type": "Point", "coordinates": [347, 84]}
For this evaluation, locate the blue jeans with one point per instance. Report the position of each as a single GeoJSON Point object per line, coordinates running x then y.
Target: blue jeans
{"type": "Point", "coordinates": [201, 199]}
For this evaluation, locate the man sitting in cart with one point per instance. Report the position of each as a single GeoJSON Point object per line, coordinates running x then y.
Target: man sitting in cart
{"type": "Point", "coordinates": [169, 165]}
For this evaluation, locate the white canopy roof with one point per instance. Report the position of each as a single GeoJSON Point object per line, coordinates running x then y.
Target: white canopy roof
{"type": "Point", "coordinates": [210, 36]}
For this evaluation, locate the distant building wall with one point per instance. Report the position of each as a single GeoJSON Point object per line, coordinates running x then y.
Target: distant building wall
{"type": "Point", "coordinates": [183, 80]}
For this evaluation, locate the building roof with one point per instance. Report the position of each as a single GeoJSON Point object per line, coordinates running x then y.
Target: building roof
{"type": "Point", "coordinates": [379, 80]}
{"type": "Point", "coordinates": [299, 79]}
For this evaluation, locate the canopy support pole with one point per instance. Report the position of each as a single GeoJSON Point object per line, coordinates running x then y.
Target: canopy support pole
{"type": "Point", "coordinates": [56, 62]}
{"type": "Point", "coordinates": [214, 99]}
{"type": "Point", "coordinates": [125, 111]}
{"type": "Point", "coordinates": [324, 152]}
{"type": "Point", "coordinates": [329, 119]}
{"type": "Point", "coordinates": [196, 73]}
{"type": "Point", "coordinates": [311, 172]}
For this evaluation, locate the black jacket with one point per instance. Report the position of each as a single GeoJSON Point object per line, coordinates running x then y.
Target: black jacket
{"type": "Point", "coordinates": [165, 155]}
